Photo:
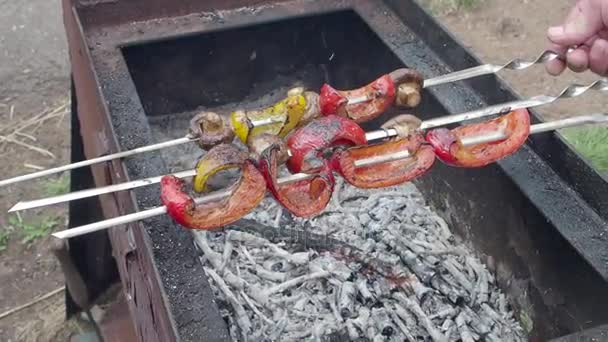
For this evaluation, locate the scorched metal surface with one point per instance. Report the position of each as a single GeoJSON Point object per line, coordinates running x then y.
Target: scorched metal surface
{"type": "Point", "coordinates": [539, 216]}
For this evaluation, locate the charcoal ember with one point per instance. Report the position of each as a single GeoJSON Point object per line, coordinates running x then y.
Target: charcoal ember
{"type": "Point", "coordinates": [346, 299]}
{"type": "Point", "coordinates": [396, 245]}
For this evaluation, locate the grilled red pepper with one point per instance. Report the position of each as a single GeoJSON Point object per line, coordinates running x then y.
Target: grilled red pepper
{"type": "Point", "coordinates": [246, 195]}
{"type": "Point", "coordinates": [449, 148]}
{"type": "Point", "coordinates": [387, 173]}
{"type": "Point", "coordinates": [304, 198]}
{"type": "Point", "coordinates": [402, 87]}
{"type": "Point", "coordinates": [308, 143]}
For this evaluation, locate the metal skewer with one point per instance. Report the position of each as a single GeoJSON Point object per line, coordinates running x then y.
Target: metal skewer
{"type": "Point", "coordinates": [515, 64]}
{"type": "Point", "coordinates": [141, 215]}
{"type": "Point", "coordinates": [371, 136]}
{"type": "Point", "coordinates": [486, 69]}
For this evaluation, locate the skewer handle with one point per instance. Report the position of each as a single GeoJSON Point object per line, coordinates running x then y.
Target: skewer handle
{"type": "Point", "coordinates": [486, 69]}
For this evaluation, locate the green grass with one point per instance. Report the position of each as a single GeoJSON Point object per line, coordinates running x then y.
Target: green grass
{"type": "Point", "coordinates": [592, 143]}
{"type": "Point", "coordinates": [4, 236]}
{"type": "Point", "coordinates": [32, 231]}
{"type": "Point", "coordinates": [57, 186]}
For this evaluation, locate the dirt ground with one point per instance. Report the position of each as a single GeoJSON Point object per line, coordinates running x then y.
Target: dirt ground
{"type": "Point", "coordinates": [34, 85]}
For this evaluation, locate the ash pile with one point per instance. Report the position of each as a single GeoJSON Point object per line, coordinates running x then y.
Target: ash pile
{"type": "Point", "coordinates": [381, 267]}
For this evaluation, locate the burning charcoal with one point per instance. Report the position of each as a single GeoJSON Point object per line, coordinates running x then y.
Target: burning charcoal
{"type": "Point", "coordinates": [419, 290]}
{"type": "Point", "coordinates": [482, 288]}
{"type": "Point", "coordinates": [449, 328]}
{"type": "Point", "coordinates": [295, 281]}
{"type": "Point", "coordinates": [241, 315]}
{"type": "Point", "coordinates": [346, 299]}
{"type": "Point", "coordinates": [277, 265]}
{"type": "Point", "coordinates": [368, 245]}
{"type": "Point", "coordinates": [269, 275]}
{"type": "Point", "coordinates": [301, 303]}
{"type": "Point", "coordinates": [334, 307]}
{"type": "Point", "coordinates": [226, 254]}
{"type": "Point", "coordinates": [491, 337]}
{"type": "Point", "coordinates": [477, 323]}
{"type": "Point", "coordinates": [214, 258]}
{"type": "Point", "coordinates": [463, 329]}
{"type": "Point", "coordinates": [362, 319]}
{"type": "Point", "coordinates": [450, 266]}
{"type": "Point", "coordinates": [330, 264]}
{"type": "Point", "coordinates": [301, 258]}
{"type": "Point", "coordinates": [383, 322]}
{"type": "Point", "coordinates": [254, 307]}
{"type": "Point", "coordinates": [447, 312]}
{"type": "Point", "coordinates": [404, 329]}
{"type": "Point", "coordinates": [372, 331]}
{"type": "Point", "coordinates": [379, 338]}
{"type": "Point", "coordinates": [447, 324]}
{"type": "Point", "coordinates": [390, 259]}
{"type": "Point", "coordinates": [491, 313]}
{"type": "Point", "coordinates": [364, 219]}
{"type": "Point", "coordinates": [395, 243]}
{"type": "Point", "coordinates": [422, 317]}
{"type": "Point", "coordinates": [405, 315]}
{"type": "Point", "coordinates": [381, 287]}
{"type": "Point", "coordinates": [455, 295]}
{"type": "Point", "coordinates": [246, 254]}
{"type": "Point", "coordinates": [278, 329]}
{"type": "Point", "coordinates": [247, 239]}
{"type": "Point", "coordinates": [364, 291]}
{"type": "Point", "coordinates": [502, 304]}
{"type": "Point", "coordinates": [277, 218]}
{"type": "Point", "coordinates": [353, 331]}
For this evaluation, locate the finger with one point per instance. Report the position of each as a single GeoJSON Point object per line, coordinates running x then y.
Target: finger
{"type": "Point", "coordinates": [598, 57]}
{"type": "Point", "coordinates": [583, 21]}
{"type": "Point", "coordinates": [578, 59]}
{"type": "Point", "coordinates": [556, 66]}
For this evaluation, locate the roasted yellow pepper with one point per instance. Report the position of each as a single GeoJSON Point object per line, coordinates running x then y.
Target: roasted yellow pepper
{"type": "Point", "coordinates": [286, 115]}
{"type": "Point", "coordinates": [219, 158]}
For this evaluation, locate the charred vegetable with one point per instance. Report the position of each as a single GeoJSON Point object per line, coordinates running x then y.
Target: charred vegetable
{"type": "Point", "coordinates": [220, 157]}
{"type": "Point", "coordinates": [246, 194]}
{"type": "Point", "coordinates": [309, 143]}
{"type": "Point", "coordinates": [401, 87]}
{"type": "Point", "coordinates": [402, 169]}
{"type": "Point", "coordinates": [304, 198]}
{"type": "Point", "coordinates": [261, 142]}
{"type": "Point", "coordinates": [210, 129]}
{"type": "Point", "coordinates": [449, 148]}
{"type": "Point", "coordinates": [285, 114]}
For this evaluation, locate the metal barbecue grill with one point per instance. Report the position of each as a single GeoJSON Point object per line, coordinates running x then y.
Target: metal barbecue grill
{"type": "Point", "coordinates": [530, 231]}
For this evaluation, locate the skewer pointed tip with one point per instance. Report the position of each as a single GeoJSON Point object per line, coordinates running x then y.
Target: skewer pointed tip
{"type": "Point", "coordinates": [16, 207]}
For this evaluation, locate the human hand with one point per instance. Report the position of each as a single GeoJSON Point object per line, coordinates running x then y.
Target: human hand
{"type": "Point", "coordinates": [586, 28]}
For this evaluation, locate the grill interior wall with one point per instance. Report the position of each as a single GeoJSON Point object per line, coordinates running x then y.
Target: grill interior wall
{"type": "Point", "coordinates": [224, 67]}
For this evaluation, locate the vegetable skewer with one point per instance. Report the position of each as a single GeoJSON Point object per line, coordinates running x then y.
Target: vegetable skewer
{"type": "Point", "coordinates": [371, 136]}
{"type": "Point", "coordinates": [496, 136]}
{"type": "Point", "coordinates": [571, 91]}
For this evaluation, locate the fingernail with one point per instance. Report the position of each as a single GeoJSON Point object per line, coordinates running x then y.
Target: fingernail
{"type": "Point", "coordinates": [555, 31]}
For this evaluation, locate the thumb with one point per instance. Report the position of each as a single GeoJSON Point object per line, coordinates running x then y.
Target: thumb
{"type": "Point", "coordinates": [583, 21]}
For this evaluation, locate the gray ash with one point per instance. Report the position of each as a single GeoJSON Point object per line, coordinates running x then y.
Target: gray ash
{"type": "Point", "coordinates": [438, 290]}
{"type": "Point", "coordinates": [435, 288]}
